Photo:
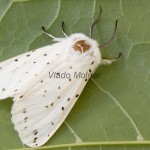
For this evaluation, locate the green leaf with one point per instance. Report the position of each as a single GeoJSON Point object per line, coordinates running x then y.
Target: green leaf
{"type": "Point", "coordinates": [113, 110]}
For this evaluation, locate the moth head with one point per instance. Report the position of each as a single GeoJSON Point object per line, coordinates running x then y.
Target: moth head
{"type": "Point", "coordinates": [83, 47]}
{"type": "Point", "coordinates": [81, 43]}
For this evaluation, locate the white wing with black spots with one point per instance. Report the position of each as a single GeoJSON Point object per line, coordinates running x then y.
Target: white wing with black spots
{"type": "Point", "coordinates": [23, 71]}
{"type": "Point", "coordinates": [46, 83]}
{"type": "Point", "coordinates": [42, 109]}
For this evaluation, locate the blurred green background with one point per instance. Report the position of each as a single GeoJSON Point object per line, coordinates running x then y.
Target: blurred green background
{"type": "Point", "coordinates": [114, 107]}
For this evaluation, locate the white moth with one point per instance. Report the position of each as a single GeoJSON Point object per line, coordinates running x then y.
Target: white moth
{"type": "Point", "coordinates": [42, 101]}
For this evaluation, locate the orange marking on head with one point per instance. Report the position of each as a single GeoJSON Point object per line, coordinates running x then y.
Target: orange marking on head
{"type": "Point", "coordinates": [81, 46]}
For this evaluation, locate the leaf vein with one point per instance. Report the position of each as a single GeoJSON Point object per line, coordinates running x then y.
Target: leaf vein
{"type": "Point", "coordinates": [139, 135]}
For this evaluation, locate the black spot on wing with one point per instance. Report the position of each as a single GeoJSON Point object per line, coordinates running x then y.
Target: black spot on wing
{"type": "Point", "coordinates": [77, 95]}
{"type": "Point", "coordinates": [35, 140]}
{"type": "Point", "coordinates": [25, 119]}
{"type": "Point", "coordinates": [92, 62]}
{"type": "Point", "coordinates": [16, 90]}
{"type": "Point", "coordinates": [3, 89]}
{"type": "Point", "coordinates": [24, 110]}
{"type": "Point", "coordinates": [21, 96]}
{"type": "Point", "coordinates": [52, 123]}
{"type": "Point", "coordinates": [35, 132]}
{"type": "Point", "coordinates": [90, 70]}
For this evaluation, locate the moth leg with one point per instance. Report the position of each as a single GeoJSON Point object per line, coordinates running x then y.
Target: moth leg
{"type": "Point", "coordinates": [43, 28]}
{"type": "Point", "coordinates": [106, 61]}
{"type": "Point", "coordinates": [62, 29]}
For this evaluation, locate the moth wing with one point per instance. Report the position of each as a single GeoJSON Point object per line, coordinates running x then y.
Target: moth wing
{"type": "Point", "coordinates": [41, 111]}
{"type": "Point", "coordinates": [21, 72]}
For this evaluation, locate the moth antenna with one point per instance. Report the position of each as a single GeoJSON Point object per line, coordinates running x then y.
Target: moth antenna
{"type": "Point", "coordinates": [62, 29]}
{"type": "Point", "coordinates": [120, 54]}
{"type": "Point", "coordinates": [108, 42]}
{"type": "Point", "coordinates": [92, 26]}
{"type": "Point", "coordinates": [43, 28]}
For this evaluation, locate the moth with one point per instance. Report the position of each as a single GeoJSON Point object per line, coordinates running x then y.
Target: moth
{"type": "Point", "coordinates": [41, 102]}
